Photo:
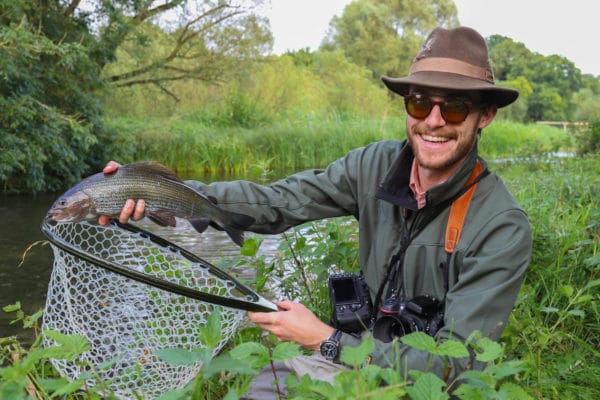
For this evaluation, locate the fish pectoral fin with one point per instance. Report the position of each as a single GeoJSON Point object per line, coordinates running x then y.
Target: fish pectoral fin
{"type": "Point", "coordinates": [200, 224]}
{"type": "Point", "coordinates": [162, 218]}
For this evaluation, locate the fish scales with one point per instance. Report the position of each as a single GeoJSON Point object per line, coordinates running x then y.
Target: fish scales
{"type": "Point", "coordinates": [166, 196]}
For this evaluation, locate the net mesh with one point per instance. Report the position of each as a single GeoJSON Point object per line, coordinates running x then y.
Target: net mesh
{"type": "Point", "coordinates": [126, 321]}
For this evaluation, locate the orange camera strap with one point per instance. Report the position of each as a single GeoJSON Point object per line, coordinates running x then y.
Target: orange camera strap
{"type": "Point", "coordinates": [458, 211]}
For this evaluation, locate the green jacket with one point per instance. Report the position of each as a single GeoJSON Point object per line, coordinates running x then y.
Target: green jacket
{"type": "Point", "coordinates": [371, 184]}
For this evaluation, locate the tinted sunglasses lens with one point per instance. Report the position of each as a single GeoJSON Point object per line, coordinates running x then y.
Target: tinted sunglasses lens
{"type": "Point", "coordinates": [418, 107]}
{"type": "Point", "coordinates": [454, 111]}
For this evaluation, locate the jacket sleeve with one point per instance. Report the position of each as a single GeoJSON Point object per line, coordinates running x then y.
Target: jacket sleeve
{"type": "Point", "coordinates": [488, 275]}
{"type": "Point", "coordinates": [301, 197]}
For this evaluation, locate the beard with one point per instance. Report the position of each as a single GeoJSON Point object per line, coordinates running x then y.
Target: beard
{"type": "Point", "coordinates": [443, 161]}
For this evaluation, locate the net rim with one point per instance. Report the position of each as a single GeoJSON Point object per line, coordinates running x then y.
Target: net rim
{"type": "Point", "coordinates": [256, 302]}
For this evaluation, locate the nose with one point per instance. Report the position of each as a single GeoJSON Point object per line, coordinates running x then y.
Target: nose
{"type": "Point", "coordinates": [435, 119]}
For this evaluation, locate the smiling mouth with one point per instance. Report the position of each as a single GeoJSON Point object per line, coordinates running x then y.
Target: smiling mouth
{"type": "Point", "coordinates": [435, 139]}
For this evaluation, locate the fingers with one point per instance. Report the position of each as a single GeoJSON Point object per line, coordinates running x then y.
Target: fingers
{"type": "Point", "coordinates": [132, 210]}
{"type": "Point", "coordinates": [263, 318]}
{"type": "Point", "coordinates": [139, 210]}
{"type": "Point", "coordinates": [111, 167]}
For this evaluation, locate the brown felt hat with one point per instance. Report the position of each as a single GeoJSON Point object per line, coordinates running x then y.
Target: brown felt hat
{"type": "Point", "coordinates": [454, 59]}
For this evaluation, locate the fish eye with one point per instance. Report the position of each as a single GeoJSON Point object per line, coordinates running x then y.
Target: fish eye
{"type": "Point", "coordinates": [62, 202]}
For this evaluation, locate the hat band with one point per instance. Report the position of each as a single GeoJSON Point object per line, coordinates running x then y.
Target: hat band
{"type": "Point", "coordinates": [452, 66]}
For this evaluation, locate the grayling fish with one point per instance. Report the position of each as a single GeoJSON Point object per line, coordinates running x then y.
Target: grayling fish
{"type": "Point", "coordinates": [166, 197]}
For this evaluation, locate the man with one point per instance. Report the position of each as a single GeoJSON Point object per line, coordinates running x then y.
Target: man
{"type": "Point", "coordinates": [400, 193]}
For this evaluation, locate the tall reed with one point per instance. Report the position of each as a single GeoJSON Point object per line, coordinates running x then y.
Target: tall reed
{"type": "Point", "coordinates": [199, 147]}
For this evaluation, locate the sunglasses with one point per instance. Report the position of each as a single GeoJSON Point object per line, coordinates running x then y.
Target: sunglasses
{"type": "Point", "coordinates": [453, 110]}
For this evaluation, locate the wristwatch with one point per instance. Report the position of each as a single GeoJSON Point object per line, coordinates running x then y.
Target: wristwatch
{"type": "Point", "coordinates": [330, 348]}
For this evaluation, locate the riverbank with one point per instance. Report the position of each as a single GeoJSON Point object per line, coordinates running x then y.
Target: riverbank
{"type": "Point", "coordinates": [195, 148]}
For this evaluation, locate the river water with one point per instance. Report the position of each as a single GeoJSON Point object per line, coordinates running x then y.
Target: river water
{"type": "Point", "coordinates": [26, 258]}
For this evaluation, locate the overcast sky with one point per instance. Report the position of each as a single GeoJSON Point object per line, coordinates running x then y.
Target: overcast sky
{"type": "Point", "coordinates": [564, 27]}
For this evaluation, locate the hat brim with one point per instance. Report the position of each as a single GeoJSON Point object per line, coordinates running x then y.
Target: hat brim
{"type": "Point", "coordinates": [438, 80]}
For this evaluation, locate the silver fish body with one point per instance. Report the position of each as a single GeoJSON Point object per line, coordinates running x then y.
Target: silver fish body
{"type": "Point", "coordinates": [166, 197]}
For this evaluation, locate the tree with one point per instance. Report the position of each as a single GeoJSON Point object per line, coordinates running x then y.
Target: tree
{"type": "Point", "coordinates": [53, 66]}
{"type": "Point", "coordinates": [554, 78]}
{"type": "Point", "coordinates": [384, 35]}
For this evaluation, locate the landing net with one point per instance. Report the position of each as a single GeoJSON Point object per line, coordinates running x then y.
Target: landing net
{"type": "Point", "coordinates": [127, 321]}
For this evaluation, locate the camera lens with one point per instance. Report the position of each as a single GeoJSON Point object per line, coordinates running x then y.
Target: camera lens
{"type": "Point", "coordinates": [390, 327]}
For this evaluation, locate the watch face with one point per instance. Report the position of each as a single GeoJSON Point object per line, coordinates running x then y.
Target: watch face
{"type": "Point", "coordinates": [329, 349]}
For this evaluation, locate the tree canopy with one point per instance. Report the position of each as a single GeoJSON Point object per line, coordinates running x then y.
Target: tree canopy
{"type": "Point", "coordinates": [384, 35]}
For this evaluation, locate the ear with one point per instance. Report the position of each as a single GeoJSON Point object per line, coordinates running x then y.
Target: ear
{"type": "Point", "coordinates": [487, 116]}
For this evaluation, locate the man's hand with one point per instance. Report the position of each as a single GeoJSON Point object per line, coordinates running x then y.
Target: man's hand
{"type": "Point", "coordinates": [293, 323]}
{"type": "Point", "coordinates": [131, 209]}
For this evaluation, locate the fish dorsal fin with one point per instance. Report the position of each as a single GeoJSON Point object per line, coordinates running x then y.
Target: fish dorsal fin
{"type": "Point", "coordinates": [152, 167]}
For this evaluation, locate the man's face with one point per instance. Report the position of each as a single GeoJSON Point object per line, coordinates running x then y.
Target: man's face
{"type": "Point", "coordinates": [441, 146]}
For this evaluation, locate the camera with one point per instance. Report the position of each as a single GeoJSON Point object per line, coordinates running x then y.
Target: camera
{"type": "Point", "coordinates": [400, 317]}
{"type": "Point", "coordinates": [350, 302]}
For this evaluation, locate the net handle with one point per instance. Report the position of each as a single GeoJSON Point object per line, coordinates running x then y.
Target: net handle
{"type": "Point", "coordinates": [258, 303]}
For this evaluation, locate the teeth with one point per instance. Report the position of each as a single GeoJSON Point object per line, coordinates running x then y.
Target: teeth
{"type": "Point", "coordinates": [435, 138]}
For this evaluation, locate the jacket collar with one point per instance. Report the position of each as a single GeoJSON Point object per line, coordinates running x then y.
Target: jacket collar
{"type": "Point", "coordinates": [394, 187]}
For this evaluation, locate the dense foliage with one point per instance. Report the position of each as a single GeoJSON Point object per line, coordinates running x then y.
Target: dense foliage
{"type": "Point", "coordinates": [50, 115]}
{"type": "Point", "coordinates": [53, 55]}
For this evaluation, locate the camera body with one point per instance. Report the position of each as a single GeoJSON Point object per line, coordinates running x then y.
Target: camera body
{"type": "Point", "coordinates": [400, 317]}
{"type": "Point", "coordinates": [350, 302]}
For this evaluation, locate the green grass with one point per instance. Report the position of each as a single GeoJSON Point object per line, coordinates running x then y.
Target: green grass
{"type": "Point", "coordinates": [556, 324]}
{"type": "Point", "coordinates": [197, 145]}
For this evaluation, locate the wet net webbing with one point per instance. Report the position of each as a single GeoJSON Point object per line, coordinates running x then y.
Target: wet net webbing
{"type": "Point", "coordinates": [126, 321]}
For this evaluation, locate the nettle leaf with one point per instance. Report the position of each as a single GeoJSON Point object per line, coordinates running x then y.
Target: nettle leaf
{"type": "Point", "coordinates": [391, 376]}
{"type": "Point", "coordinates": [253, 353]}
{"type": "Point", "coordinates": [69, 346]}
{"type": "Point", "coordinates": [69, 387]}
{"type": "Point", "coordinates": [210, 334]}
{"type": "Point", "coordinates": [428, 387]}
{"type": "Point", "coordinates": [251, 246]}
{"type": "Point", "coordinates": [357, 355]}
{"type": "Point", "coordinates": [508, 368]}
{"type": "Point", "coordinates": [177, 356]}
{"type": "Point", "coordinates": [285, 351]}
{"type": "Point", "coordinates": [420, 341]}
{"type": "Point", "coordinates": [372, 373]}
{"type": "Point", "coordinates": [452, 348]}
{"type": "Point", "coordinates": [489, 350]}
{"type": "Point", "coordinates": [12, 390]}
{"type": "Point", "coordinates": [226, 363]}
{"type": "Point", "coordinates": [12, 307]}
